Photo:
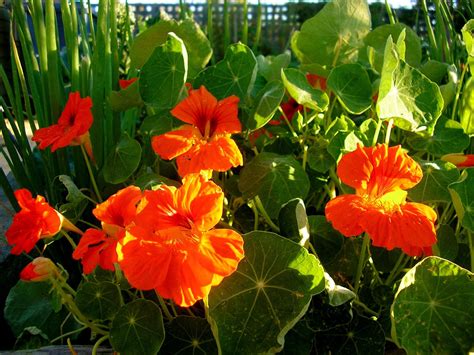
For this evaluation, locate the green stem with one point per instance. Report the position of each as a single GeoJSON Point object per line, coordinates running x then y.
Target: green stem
{"type": "Point", "coordinates": [69, 239]}
{"type": "Point", "coordinates": [91, 174]}
{"type": "Point", "coordinates": [389, 131]}
{"type": "Point", "coordinates": [164, 308]}
{"type": "Point", "coordinates": [471, 248]}
{"type": "Point", "coordinates": [305, 156]}
{"type": "Point", "coordinates": [362, 261]}
{"type": "Point", "coordinates": [377, 132]}
{"type": "Point", "coordinates": [264, 214]}
{"type": "Point", "coordinates": [287, 122]}
{"type": "Point", "coordinates": [458, 91]}
{"type": "Point", "coordinates": [365, 308]}
{"type": "Point", "coordinates": [255, 215]}
{"type": "Point", "coordinates": [173, 308]}
{"type": "Point", "coordinates": [389, 13]}
{"type": "Point", "coordinates": [68, 334]}
{"type": "Point", "coordinates": [98, 342]}
{"type": "Point", "coordinates": [396, 269]}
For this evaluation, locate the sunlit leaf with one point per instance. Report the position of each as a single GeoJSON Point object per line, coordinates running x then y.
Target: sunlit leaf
{"type": "Point", "coordinates": [254, 308]}
{"type": "Point", "coordinates": [334, 35]}
{"type": "Point", "coordinates": [270, 66]}
{"type": "Point", "coordinates": [432, 310]}
{"type": "Point", "coordinates": [266, 104]}
{"type": "Point", "coordinates": [467, 107]}
{"type": "Point", "coordinates": [462, 194]}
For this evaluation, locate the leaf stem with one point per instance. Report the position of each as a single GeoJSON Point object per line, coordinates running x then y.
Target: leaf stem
{"type": "Point", "coordinates": [69, 239]}
{"type": "Point", "coordinates": [402, 260]}
{"type": "Point", "coordinates": [264, 214]}
{"type": "Point", "coordinates": [91, 175]}
{"type": "Point", "coordinates": [98, 342]}
{"type": "Point", "coordinates": [163, 306]}
{"type": "Point", "coordinates": [471, 247]}
{"type": "Point", "coordinates": [377, 132]}
{"type": "Point", "coordinates": [458, 91]}
{"type": "Point", "coordinates": [362, 261]}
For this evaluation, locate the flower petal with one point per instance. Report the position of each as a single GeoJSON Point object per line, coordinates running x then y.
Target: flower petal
{"type": "Point", "coordinates": [226, 116]}
{"type": "Point", "coordinates": [345, 213]}
{"type": "Point", "coordinates": [120, 208]}
{"type": "Point", "coordinates": [175, 143]}
{"type": "Point", "coordinates": [96, 248]}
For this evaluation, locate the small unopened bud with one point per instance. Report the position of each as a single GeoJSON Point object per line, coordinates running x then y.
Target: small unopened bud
{"type": "Point", "coordinates": [460, 160]}
{"type": "Point", "coordinates": [40, 269]}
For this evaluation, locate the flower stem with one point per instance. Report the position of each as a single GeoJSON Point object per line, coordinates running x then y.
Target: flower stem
{"type": "Point", "coordinates": [389, 131]}
{"type": "Point", "coordinates": [163, 306]}
{"type": "Point", "coordinates": [69, 239]}
{"type": "Point", "coordinates": [98, 342]}
{"type": "Point", "coordinates": [402, 260]}
{"type": "Point", "coordinates": [376, 133]}
{"type": "Point", "coordinates": [361, 264]}
{"type": "Point", "coordinates": [264, 214]}
{"type": "Point", "coordinates": [89, 169]}
{"type": "Point", "coordinates": [69, 333]}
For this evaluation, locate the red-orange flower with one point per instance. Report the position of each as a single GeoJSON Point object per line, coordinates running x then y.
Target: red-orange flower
{"type": "Point", "coordinates": [36, 220]}
{"type": "Point", "coordinates": [125, 83]}
{"type": "Point", "coordinates": [173, 248]}
{"type": "Point", "coordinates": [204, 143]}
{"type": "Point", "coordinates": [460, 160]}
{"type": "Point", "coordinates": [380, 175]}
{"type": "Point", "coordinates": [72, 127]}
{"type": "Point", "coordinates": [98, 247]}
{"type": "Point", "coordinates": [40, 269]}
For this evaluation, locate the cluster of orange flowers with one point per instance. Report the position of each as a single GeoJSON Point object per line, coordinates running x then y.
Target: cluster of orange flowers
{"type": "Point", "coordinates": [165, 239]}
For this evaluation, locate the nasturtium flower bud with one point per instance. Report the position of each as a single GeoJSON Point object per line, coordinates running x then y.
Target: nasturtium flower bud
{"type": "Point", "coordinates": [40, 269]}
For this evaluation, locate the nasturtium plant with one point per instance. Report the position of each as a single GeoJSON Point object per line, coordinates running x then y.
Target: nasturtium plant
{"type": "Point", "coordinates": [123, 160]}
{"type": "Point", "coordinates": [98, 300]}
{"type": "Point", "coordinates": [432, 310]}
{"type": "Point", "coordinates": [272, 289]}
{"type": "Point", "coordinates": [266, 104]}
{"type": "Point", "coordinates": [463, 198]}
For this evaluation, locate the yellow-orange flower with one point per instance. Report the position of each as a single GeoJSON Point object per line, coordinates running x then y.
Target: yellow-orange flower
{"type": "Point", "coordinates": [380, 175]}
{"type": "Point", "coordinates": [172, 246]}
{"type": "Point", "coordinates": [204, 143]}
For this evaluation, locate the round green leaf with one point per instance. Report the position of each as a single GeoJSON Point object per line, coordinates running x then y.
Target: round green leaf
{"type": "Point", "coordinates": [334, 35]}
{"type": "Point", "coordinates": [254, 308]}
{"type": "Point", "coordinates": [123, 160]}
{"type": "Point", "coordinates": [293, 221]}
{"type": "Point", "coordinates": [361, 336]}
{"type": "Point", "coordinates": [467, 107]}
{"type": "Point", "coordinates": [189, 335]}
{"type": "Point", "coordinates": [342, 143]}
{"type": "Point", "coordinates": [319, 158]}
{"type": "Point", "coordinates": [233, 75]}
{"type": "Point", "coordinates": [377, 38]}
{"type": "Point", "coordinates": [433, 309]}
{"type": "Point", "coordinates": [433, 187]}
{"type": "Point", "coordinates": [462, 194]}
{"type": "Point", "coordinates": [138, 328]}
{"type": "Point", "coordinates": [299, 339]}
{"type": "Point", "coordinates": [267, 102]}
{"type": "Point", "coordinates": [406, 95]}
{"type": "Point", "coordinates": [126, 98]}
{"type": "Point", "coordinates": [98, 300]}
{"type": "Point", "coordinates": [270, 66]}
{"type": "Point", "coordinates": [326, 240]}
{"type": "Point", "coordinates": [276, 179]}
{"type": "Point", "coordinates": [196, 42]}
{"type": "Point", "coordinates": [448, 137]}
{"type": "Point", "coordinates": [342, 123]}
{"type": "Point", "coordinates": [447, 246]}
{"type": "Point", "coordinates": [468, 37]}
{"type": "Point", "coordinates": [163, 76]}
{"type": "Point", "coordinates": [300, 89]}
{"type": "Point", "coordinates": [351, 84]}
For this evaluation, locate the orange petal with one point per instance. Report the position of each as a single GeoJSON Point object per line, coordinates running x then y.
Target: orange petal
{"type": "Point", "coordinates": [345, 213]}
{"type": "Point", "coordinates": [120, 208]}
{"type": "Point", "coordinates": [410, 228]}
{"type": "Point", "coordinates": [96, 248]}
{"type": "Point", "coordinates": [221, 251]}
{"type": "Point", "coordinates": [175, 143]}
{"type": "Point", "coordinates": [460, 160]}
{"type": "Point", "coordinates": [226, 115]}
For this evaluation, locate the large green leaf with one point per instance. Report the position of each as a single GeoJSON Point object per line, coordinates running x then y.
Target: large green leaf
{"type": "Point", "coordinates": [196, 42]}
{"type": "Point", "coordinates": [361, 336]}
{"type": "Point", "coordinates": [342, 143]}
{"type": "Point", "coordinates": [126, 98]}
{"type": "Point", "coordinates": [351, 84]}
{"type": "Point", "coordinates": [462, 194]}
{"type": "Point", "coordinates": [293, 221]}
{"type": "Point", "coordinates": [163, 76]}
{"type": "Point", "coordinates": [123, 160]}
{"type": "Point", "coordinates": [98, 300]}
{"type": "Point", "coordinates": [267, 102]}
{"type": "Point", "coordinates": [300, 89]}
{"type": "Point", "coordinates": [138, 328]}
{"type": "Point", "coordinates": [433, 309]}
{"type": "Point", "coordinates": [276, 179]}
{"type": "Point", "coordinates": [319, 158]}
{"type": "Point", "coordinates": [377, 38]}
{"type": "Point", "coordinates": [406, 95]}
{"type": "Point", "coordinates": [189, 335]}
{"type": "Point", "coordinates": [32, 304]}
{"type": "Point", "coordinates": [334, 35]}
{"type": "Point", "coordinates": [468, 37]}
{"type": "Point", "coordinates": [467, 107]}
{"type": "Point", "coordinates": [325, 239]}
{"type": "Point", "coordinates": [253, 309]}
{"type": "Point", "coordinates": [437, 175]}
{"type": "Point", "coordinates": [233, 75]}
{"type": "Point", "coordinates": [270, 66]}
{"type": "Point", "coordinates": [448, 137]}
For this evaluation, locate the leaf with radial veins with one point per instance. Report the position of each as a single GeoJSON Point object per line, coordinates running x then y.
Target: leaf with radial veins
{"type": "Point", "coordinates": [433, 309]}
{"type": "Point", "coordinates": [334, 35]}
{"type": "Point", "coordinates": [462, 194]}
{"type": "Point", "coordinates": [267, 102]}
{"type": "Point", "coordinates": [407, 96]}
{"type": "Point", "coordinates": [254, 308]}
{"type": "Point", "coordinates": [233, 75]}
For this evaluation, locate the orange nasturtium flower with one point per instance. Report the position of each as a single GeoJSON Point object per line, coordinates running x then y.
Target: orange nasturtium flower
{"type": "Point", "coordinates": [36, 220]}
{"type": "Point", "coordinates": [125, 83]}
{"type": "Point", "coordinates": [98, 247]}
{"type": "Point", "coordinates": [72, 127]}
{"type": "Point", "coordinates": [380, 175]}
{"type": "Point", "coordinates": [40, 269]}
{"type": "Point", "coordinates": [204, 143]}
{"type": "Point", "coordinates": [173, 248]}
{"type": "Point", "coordinates": [460, 160]}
